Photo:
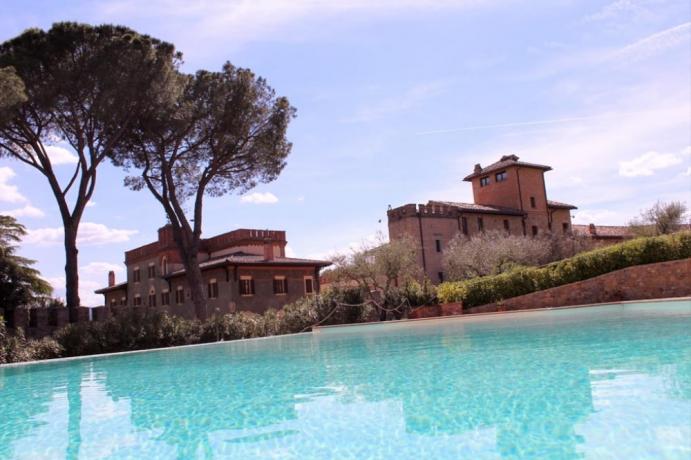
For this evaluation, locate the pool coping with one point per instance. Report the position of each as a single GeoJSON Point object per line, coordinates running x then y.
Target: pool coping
{"type": "Point", "coordinates": [318, 329]}
{"type": "Point", "coordinates": [145, 350]}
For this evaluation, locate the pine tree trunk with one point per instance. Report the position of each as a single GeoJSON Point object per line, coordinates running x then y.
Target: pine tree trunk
{"type": "Point", "coordinates": [196, 283]}
{"type": "Point", "coordinates": [72, 273]}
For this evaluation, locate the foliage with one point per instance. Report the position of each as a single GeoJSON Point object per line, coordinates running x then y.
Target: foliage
{"type": "Point", "coordinates": [660, 219]}
{"type": "Point", "coordinates": [520, 281]}
{"type": "Point", "coordinates": [380, 270]}
{"type": "Point", "coordinates": [217, 132]}
{"type": "Point", "coordinates": [20, 283]}
{"type": "Point", "coordinates": [16, 347]}
{"type": "Point", "coordinates": [82, 86]}
{"type": "Point", "coordinates": [491, 253]}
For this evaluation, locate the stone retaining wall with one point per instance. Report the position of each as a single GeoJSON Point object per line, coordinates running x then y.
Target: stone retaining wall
{"type": "Point", "coordinates": [652, 281]}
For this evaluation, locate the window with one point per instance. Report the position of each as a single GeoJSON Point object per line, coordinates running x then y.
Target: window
{"type": "Point", "coordinates": [438, 245]}
{"type": "Point", "coordinates": [484, 181]}
{"type": "Point", "coordinates": [507, 225]}
{"type": "Point", "coordinates": [137, 300]}
{"type": "Point", "coordinates": [309, 285]}
{"type": "Point", "coordinates": [501, 176]}
{"type": "Point", "coordinates": [164, 266]}
{"type": "Point", "coordinates": [246, 285]}
{"type": "Point", "coordinates": [480, 224]}
{"type": "Point", "coordinates": [179, 295]}
{"type": "Point", "coordinates": [113, 302]}
{"type": "Point", "coordinates": [280, 285]}
{"type": "Point", "coordinates": [152, 298]}
{"type": "Point", "coordinates": [464, 225]}
{"type": "Point", "coordinates": [441, 277]}
{"type": "Point", "coordinates": [136, 275]}
{"type": "Point", "coordinates": [165, 298]}
{"type": "Point", "coordinates": [212, 289]}
{"type": "Point", "coordinates": [151, 272]}
{"type": "Point", "coordinates": [532, 202]}
{"type": "Point", "coordinates": [565, 227]}
{"type": "Point", "coordinates": [123, 301]}
{"type": "Point", "coordinates": [534, 230]}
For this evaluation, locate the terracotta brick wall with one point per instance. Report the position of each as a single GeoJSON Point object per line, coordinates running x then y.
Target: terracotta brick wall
{"type": "Point", "coordinates": [653, 281]}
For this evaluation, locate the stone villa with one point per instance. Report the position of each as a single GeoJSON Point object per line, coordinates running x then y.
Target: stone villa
{"type": "Point", "coordinates": [509, 195]}
{"type": "Point", "coordinates": [243, 270]}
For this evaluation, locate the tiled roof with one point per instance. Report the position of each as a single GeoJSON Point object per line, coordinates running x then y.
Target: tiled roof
{"type": "Point", "coordinates": [479, 208]}
{"type": "Point", "coordinates": [557, 204]}
{"type": "Point", "coordinates": [242, 258]}
{"type": "Point", "coordinates": [111, 288]}
{"type": "Point", "coordinates": [504, 162]}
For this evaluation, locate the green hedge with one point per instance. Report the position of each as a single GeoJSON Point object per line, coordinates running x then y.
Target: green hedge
{"type": "Point", "coordinates": [489, 289]}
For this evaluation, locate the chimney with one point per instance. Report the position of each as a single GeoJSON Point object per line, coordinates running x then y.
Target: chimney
{"type": "Point", "coordinates": [478, 168]}
{"type": "Point", "coordinates": [592, 229]}
{"type": "Point", "coordinates": [268, 250]}
{"type": "Point", "coordinates": [165, 234]}
{"type": "Point", "coordinates": [111, 278]}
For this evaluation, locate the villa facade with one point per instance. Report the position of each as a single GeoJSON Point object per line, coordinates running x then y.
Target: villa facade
{"type": "Point", "coordinates": [243, 269]}
{"type": "Point", "coordinates": [509, 196]}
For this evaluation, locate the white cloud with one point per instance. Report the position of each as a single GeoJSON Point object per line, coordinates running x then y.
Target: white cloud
{"type": "Point", "coordinates": [688, 172]}
{"type": "Point", "coordinates": [92, 276]}
{"type": "Point", "coordinates": [598, 216]}
{"type": "Point", "coordinates": [25, 211]}
{"type": "Point", "coordinates": [411, 98]}
{"type": "Point", "coordinates": [9, 193]}
{"type": "Point", "coordinates": [60, 155]}
{"type": "Point", "coordinates": [260, 198]}
{"type": "Point", "coordinates": [100, 268]}
{"type": "Point", "coordinates": [90, 204]}
{"type": "Point", "coordinates": [648, 163]}
{"type": "Point", "coordinates": [89, 234]}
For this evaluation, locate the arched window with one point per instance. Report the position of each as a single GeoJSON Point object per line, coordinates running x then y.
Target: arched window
{"type": "Point", "coordinates": [164, 266]}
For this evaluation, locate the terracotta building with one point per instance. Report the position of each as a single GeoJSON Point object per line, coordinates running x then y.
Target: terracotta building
{"type": "Point", "coordinates": [242, 269]}
{"type": "Point", "coordinates": [509, 195]}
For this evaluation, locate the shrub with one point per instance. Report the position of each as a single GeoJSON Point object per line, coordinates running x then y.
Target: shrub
{"type": "Point", "coordinates": [488, 289]}
{"type": "Point", "coordinates": [240, 325]}
{"type": "Point", "coordinates": [15, 347]}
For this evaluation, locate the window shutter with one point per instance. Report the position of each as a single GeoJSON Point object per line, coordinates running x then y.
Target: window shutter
{"type": "Point", "coordinates": [285, 285]}
{"type": "Point", "coordinates": [252, 286]}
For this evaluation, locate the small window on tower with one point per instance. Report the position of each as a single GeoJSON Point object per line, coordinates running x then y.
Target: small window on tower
{"type": "Point", "coordinates": [136, 275]}
{"type": "Point", "coordinates": [565, 227]}
{"type": "Point", "coordinates": [534, 230]}
{"type": "Point", "coordinates": [501, 176]}
{"type": "Point", "coordinates": [507, 226]}
{"type": "Point", "coordinates": [484, 181]}
{"type": "Point", "coordinates": [464, 225]}
{"type": "Point", "coordinates": [480, 224]}
{"type": "Point", "coordinates": [179, 295]}
{"type": "Point", "coordinates": [532, 202]}
{"type": "Point", "coordinates": [441, 277]}
{"type": "Point", "coordinates": [438, 245]}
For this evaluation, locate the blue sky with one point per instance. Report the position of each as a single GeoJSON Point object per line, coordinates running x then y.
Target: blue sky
{"type": "Point", "coordinates": [397, 100]}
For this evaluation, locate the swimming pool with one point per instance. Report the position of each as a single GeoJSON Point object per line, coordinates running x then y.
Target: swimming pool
{"type": "Point", "coordinates": [611, 381]}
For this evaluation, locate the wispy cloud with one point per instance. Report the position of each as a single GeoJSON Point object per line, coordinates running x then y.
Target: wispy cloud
{"type": "Point", "coordinates": [409, 99]}
{"type": "Point", "coordinates": [653, 44]}
{"type": "Point", "coordinates": [648, 163]}
{"type": "Point", "coordinates": [241, 21]}
{"type": "Point", "coordinates": [90, 233]}
{"type": "Point", "coordinates": [260, 198]}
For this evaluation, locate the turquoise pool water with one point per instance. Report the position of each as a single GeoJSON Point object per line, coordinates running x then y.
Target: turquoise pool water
{"type": "Point", "coordinates": [600, 382]}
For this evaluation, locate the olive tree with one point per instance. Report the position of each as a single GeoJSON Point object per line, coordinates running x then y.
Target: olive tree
{"type": "Point", "coordinates": [85, 86]}
{"type": "Point", "coordinates": [383, 271]}
{"type": "Point", "coordinates": [220, 132]}
{"type": "Point", "coordinates": [661, 219]}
